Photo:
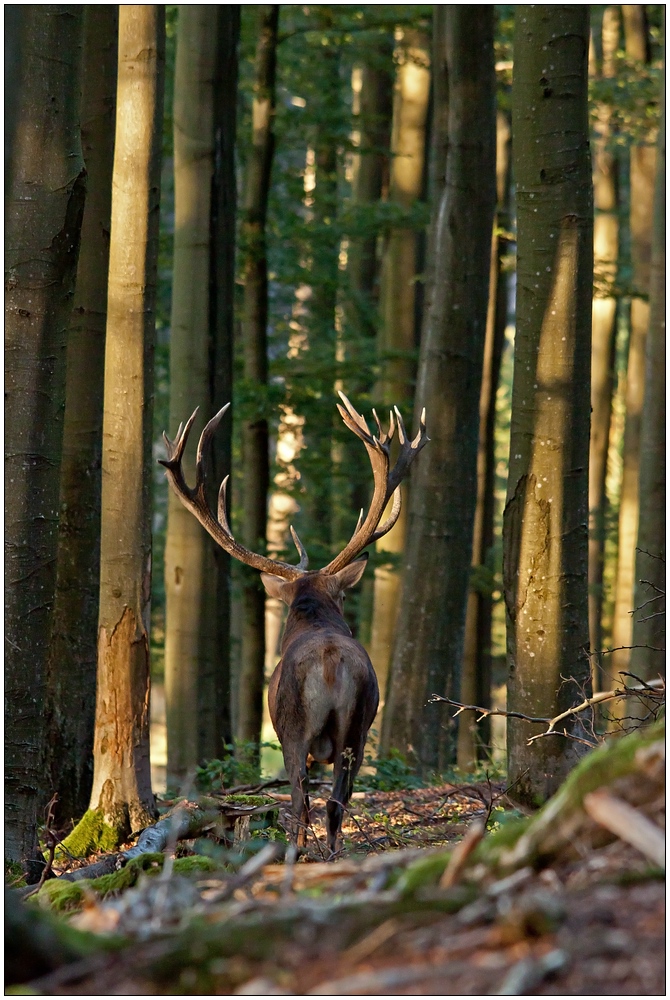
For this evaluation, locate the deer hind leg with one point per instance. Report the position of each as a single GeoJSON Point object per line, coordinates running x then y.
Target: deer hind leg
{"type": "Point", "coordinates": [345, 768]}
{"type": "Point", "coordinates": [296, 768]}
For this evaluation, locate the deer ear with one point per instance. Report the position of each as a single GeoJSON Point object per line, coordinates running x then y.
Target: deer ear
{"type": "Point", "coordinates": [351, 574]}
{"type": "Point", "coordinates": [275, 586]}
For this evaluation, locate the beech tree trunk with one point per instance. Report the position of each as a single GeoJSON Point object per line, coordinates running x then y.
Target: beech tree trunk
{"type": "Point", "coordinates": [398, 334]}
{"type": "Point", "coordinates": [545, 526]}
{"type": "Point", "coordinates": [436, 565]}
{"type": "Point", "coordinates": [606, 253]}
{"type": "Point", "coordinates": [122, 776]}
{"type": "Point", "coordinates": [648, 653]}
{"type": "Point", "coordinates": [72, 663]}
{"type": "Point", "coordinates": [190, 569]}
{"type": "Point", "coordinates": [214, 698]}
{"type": "Point", "coordinates": [256, 480]}
{"type": "Point", "coordinates": [473, 735]}
{"type": "Point", "coordinates": [44, 208]}
{"type": "Point", "coordinates": [642, 169]}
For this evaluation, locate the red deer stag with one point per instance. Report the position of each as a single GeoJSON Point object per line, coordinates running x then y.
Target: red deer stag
{"type": "Point", "coordinates": [323, 693]}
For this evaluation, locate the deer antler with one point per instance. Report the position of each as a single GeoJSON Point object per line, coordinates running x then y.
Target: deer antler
{"type": "Point", "coordinates": [195, 500]}
{"type": "Point", "coordinates": [386, 481]}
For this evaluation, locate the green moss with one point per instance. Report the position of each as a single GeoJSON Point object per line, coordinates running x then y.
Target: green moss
{"type": "Point", "coordinates": [61, 896]}
{"type": "Point", "coordinates": [194, 864]}
{"type": "Point", "coordinates": [90, 834]}
{"type": "Point", "coordinates": [248, 800]}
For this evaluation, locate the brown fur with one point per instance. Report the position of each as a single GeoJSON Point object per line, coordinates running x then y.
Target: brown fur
{"type": "Point", "coordinates": [323, 694]}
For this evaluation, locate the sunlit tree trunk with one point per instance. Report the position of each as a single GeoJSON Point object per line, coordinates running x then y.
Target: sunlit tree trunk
{"type": "Point", "coordinates": [648, 654]}
{"type": "Point", "coordinates": [398, 335]}
{"type": "Point", "coordinates": [431, 617]}
{"type": "Point", "coordinates": [122, 795]}
{"type": "Point", "coordinates": [44, 207]}
{"type": "Point", "coordinates": [214, 697]}
{"type": "Point", "coordinates": [254, 335]}
{"type": "Point", "coordinates": [545, 528]}
{"type": "Point", "coordinates": [476, 669]}
{"type": "Point", "coordinates": [190, 570]}
{"type": "Point", "coordinates": [72, 665]}
{"type": "Point", "coordinates": [642, 169]}
{"type": "Point", "coordinates": [606, 251]}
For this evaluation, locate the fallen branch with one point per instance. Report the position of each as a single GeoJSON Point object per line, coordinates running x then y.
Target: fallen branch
{"type": "Point", "coordinates": [627, 824]}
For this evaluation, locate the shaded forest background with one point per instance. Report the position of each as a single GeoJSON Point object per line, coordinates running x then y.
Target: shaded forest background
{"type": "Point", "coordinates": [295, 161]}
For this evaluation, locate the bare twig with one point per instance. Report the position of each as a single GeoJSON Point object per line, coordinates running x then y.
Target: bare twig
{"type": "Point", "coordinates": [656, 688]}
{"type": "Point", "coordinates": [51, 841]}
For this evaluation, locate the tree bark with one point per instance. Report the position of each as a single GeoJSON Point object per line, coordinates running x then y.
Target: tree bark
{"type": "Point", "coordinates": [122, 776]}
{"type": "Point", "coordinates": [431, 617]}
{"type": "Point", "coordinates": [44, 211]}
{"type": "Point", "coordinates": [256, 480]}
{"type": "Point", "coordinates": [642, 169]}
{"type": "Point", "coordinates": [72, 662]}
{"type": "Point", "coordinates": [190, 569]}
{"type": "Point", "coordinates": [648, 653]}
{"type": "Point", "coordinates": [545, 525]}
{"type": "Point", "coordinates": [473, 735]}
{"type": "Point", "coordinates": [398, 335]}
{"type": "Point", "coordinates": [606, 252]}
{"type": "Point", "coordinates": [214, 700]}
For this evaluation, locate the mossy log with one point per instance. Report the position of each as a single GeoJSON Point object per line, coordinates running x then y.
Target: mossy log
{"type": "Point", "coordinates": [632, 765]}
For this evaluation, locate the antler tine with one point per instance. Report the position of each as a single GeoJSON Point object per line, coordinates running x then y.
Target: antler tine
{"type": "Point", "coordinates": [195, 500]}
{"type": "Point", "coordinates": [391, 519]}
{"type": "Point", "coordinates": [408, 449]}
{"type": "Point", "coordinates": [304, 558]}
{"type": "Point", "coordinates": [350, 416]}
{"type": "Point", "coordinates": [386, 483]}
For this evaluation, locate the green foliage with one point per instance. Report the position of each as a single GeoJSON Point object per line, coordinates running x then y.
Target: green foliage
{"type": "Point", "coordinates": [239, 766]}
{"type": "Point", "coordinates": [14, 874]}
{"type": "Point", "coordinates": [392, 772]}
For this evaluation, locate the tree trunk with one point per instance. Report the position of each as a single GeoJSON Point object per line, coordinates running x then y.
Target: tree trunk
{"type": "Point", "coordinates": [606, 252]}
{"type": "Point", "coordinates": [256, 480]}
{"type": "Point", "coordinates": [648, 654]}
{"type": "Point", "coordinates": [72, 665]}
{"type": "Point", "coordinates": [398, 335]}
{"type": "Point", "coordinates": [215, 702]}
{"type": "Point", "coordinates": [372, 115]}
{"type": "Point", "coordinates": [545, 525]}
{"type": "Point", "coordinates": [431, 617]}
{"type": "Point", "coordinates": [473, 735]}
{"type": "Point", "coordinates": [44, 208]}
{"type": "Point", "coordinates": [122, 777]}
{"type": "Point", "coordinates": [190, 570]}
{"type": "Point", "coordinates": [642, 169]}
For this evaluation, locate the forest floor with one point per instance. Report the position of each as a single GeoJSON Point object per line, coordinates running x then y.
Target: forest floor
{"type": "Point", "coordinates": [376, 921]}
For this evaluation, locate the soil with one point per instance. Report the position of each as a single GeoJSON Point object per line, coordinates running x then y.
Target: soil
{"type": "Point", "coordinates": [590, 926]}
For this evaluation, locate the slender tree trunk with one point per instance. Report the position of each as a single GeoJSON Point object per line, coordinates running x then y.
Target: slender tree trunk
{"type": "Point", "coordinates": [431, 617]}
{"type": "Point", "coordinates": [72, 664]}
{"type": "Point", "coordinates": [44, 207]}
{"type": "Point", "coordinates": [476, 668]}
{"type": "Point", "coordinates": [215, 701]}
{"type": "Point", "coordinates": [606, 252]}
{"type": "Point", "coordinates": [398, 336]}
{"type": "Point", "coordinates": [648, 654]}
{"type": "Point", "coordinates": [254, 334]}
{"type": "Point", "coordinates": [642, 169]}
{"type": "Point", "coordinates": [190, 570]}
{"type": "Point", "coordinates": [370, 179]}
{"type": "Point", "coordinates": [122, 793]}
{"type": "Point", "coordinates": [545, 528]}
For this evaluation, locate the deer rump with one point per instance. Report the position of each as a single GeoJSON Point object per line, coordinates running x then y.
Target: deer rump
{"type": "Point", "coordinates": [323, 698]}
